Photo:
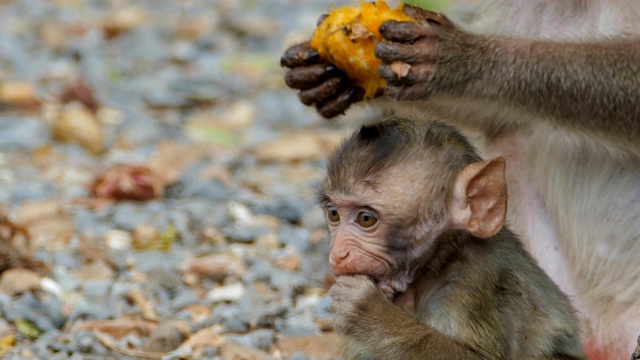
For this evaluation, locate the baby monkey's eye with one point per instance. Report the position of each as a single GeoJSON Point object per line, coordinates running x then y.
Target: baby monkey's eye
{"type": "Point", "coordinates": [366, 220]}
{"type": "Point", "coordinates": [332, 214]}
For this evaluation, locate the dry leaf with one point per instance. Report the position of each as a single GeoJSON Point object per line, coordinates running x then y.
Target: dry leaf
{"type": "Point", "coordinates": [216, 266]}
{"type": "Point", "coordinates": [82, 93]}
{"type": "Point", "coordinates": [300, 146]}
{"type": "Point", "coordinates": [190, 29]}
{"type": "Point", "coordinates": [78, 124]}
{"type": "Point", "coordinates": [108, 341]}
{"type": "Point", "coordinates": [52, 232]}
{"type": "Point", "coordinates": [359, 31]}
{"type": "Point", "coordinates": [13, 257]}
{"type": "Point", "coordinates": [122, 20]}
{"type": "Point", "coordinates": [197, 312]}
{"type": "Point", "coordinates": [207, 337]}
{"type": "Point", "coordinates": [53, 35]}
{"type": "Point", "coordinates": [166, 337]}
{"type": "Point", "coordinates": [17, 281]}
{"type": "Point", "coordinates": [128, 182]}
{"type": "Point", "coordinates": [326, 345]}
{"type": "Point", "coordinates": [30, 211]}
{"type": "Point", "coordinates": [146, 307]}
{"type": "Point", "coordinates": [96, 271]}
{"type": "Point", "coordinates": [145, 236]}
{"type": "Point", "coordinates": [239, 352]}
{"type": "Point", "coordinates": [400, 68]}
{"type": "Point", "coordinates": [290, 260]}
{"type": "Point", "coordinates": [118, 328]}
{"type": "Point", "coordinates": [18, 93]}
{"type": "Point", "coordinates": [6, 343]}
{"type": "Point", "coordinates": [170, 160]}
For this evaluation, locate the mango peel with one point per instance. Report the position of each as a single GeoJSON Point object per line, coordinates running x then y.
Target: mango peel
{"type": "Point", "coordinates": [347, 38]}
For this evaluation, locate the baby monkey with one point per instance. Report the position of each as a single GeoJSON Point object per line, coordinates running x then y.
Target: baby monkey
{"type": "Point", "coordinates": [425, 266]}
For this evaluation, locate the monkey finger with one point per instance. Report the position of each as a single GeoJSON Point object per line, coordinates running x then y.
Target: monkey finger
{"type": "Point", "coordinates": [299, 55]}
{"type": "Point", "coordinates": [388, 74]}
{"type": "Point", "coordinates": [321, 92]}
{"type": "Point", "coordinates": [405, 31]}
{"type": "Point", "coordinates": [355, 281]}
{"type": "Point", "coordinates": [306, 77]}
{"type": "Point", "coordinates": [338, 105]}
{"type": "Point", "coordinates": [416, 12]}
{"type": "Point", "coordinates": [362, 278]}
{"type": "Point", "coordinates": [420, 52]}
{"type": "Point", "coordinates": [427, 15]}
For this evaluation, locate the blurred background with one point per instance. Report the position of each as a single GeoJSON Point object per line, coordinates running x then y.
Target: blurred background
{"type": "Point", "coordinates": [157, 182]}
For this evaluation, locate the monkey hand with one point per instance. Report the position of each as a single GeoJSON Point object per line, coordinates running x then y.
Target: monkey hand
{"type": "Point", "coordinates": [412, 52]}
{"type": "Point", "coordinates": [319, 83]}
{"type": "Point", "coordinates": [356, 303]}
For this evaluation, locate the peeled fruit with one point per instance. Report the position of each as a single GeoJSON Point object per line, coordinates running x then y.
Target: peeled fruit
{"type": "Point", "coordinates": [347, 38]}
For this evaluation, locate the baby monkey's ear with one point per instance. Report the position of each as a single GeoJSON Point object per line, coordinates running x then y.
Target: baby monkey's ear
{"type": "Point", "coordinates": [479, 203]}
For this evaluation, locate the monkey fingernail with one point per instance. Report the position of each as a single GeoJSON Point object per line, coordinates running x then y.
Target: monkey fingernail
{"type": "Point", "coordinates": [312, 55]}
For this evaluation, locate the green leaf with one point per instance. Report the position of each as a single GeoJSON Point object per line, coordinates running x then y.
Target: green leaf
{"type": "Point", "coordinates": [27, 329]}
{"type": "Point", "coordinates": [211, 134]}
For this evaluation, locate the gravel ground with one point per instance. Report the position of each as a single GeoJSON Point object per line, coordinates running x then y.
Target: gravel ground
{"type": "Point", "coordinates": [157, 182]}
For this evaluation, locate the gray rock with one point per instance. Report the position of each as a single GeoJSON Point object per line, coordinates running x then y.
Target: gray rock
{"type": "Point", "coordinates": [322, 306]}
{"type": "Point", "coordinates": [148, 260]}
{"type": "Point", "coordinates": [296, 236]}
{"type": "Point", "coordinates": [64, 278]}
{"type": "Point", "coordinates": [46, 342]}
{"type": "Point", "coordinates": [211, 190]}
{"type": "Point", "coordinates": [235, 325]}
{"type": "Point", "coordinates": [76, 356]}
{"type": "Point", "coordinates": [128, 215]}
{"type": "Point", "coordinates": [211, 352]}
{"type": "Point", "coordinates": [243, 234]}
{"type": "Point", "coordinates": [97, 289]}
{"type": "Point", "coordinates": [286, 281]}
{"type": "Point", "coordinates": [285, 209]}
{"type": "Point", "coordinates": [85, 343]}
{"type": "Point", "coordinates": [301, 323]}
{"type": "Point", "coordinates": [6, 309]}
{"type": "Point", "coordinates": [45, 314]}
{"type": "Point", "coordinates": [60, 356]}
{"type": "Point", "coordinates": [33, 190]}
{"type": "Point", "coordinates": [299, 356]}
{"type": "Point", "coordinates": [261, 339]}
{"type": "Point", "coordinates": [91, 310]}
{"type": "Point", "coordinates": [260, 271]}
{"type": "Point", "coordinates": [164, 338]}
{"type": "Point", "coordinates": [22, 133]}
{"type": "Point", "coordinates": [265, 316]}
{"type": "Point", "coordinates": [183, 299]}
{"type": "Point", "coordinates": [165, 278]}
{"type": "Point", "coordinates": [66, 259]}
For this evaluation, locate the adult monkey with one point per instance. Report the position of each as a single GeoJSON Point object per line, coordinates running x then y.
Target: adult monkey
{"type": "Point", "coordinates": [554, 87]}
